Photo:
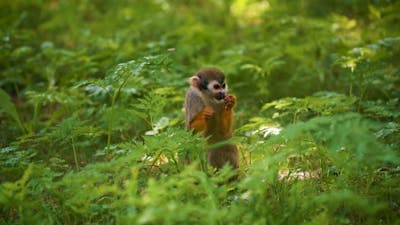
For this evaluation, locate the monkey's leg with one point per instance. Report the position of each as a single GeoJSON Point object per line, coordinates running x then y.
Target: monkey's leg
{"type": "Point", "coordinates": [227, 154]}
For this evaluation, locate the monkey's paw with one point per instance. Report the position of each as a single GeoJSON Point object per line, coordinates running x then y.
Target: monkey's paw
{"type": "Point", "coordinates": [229, 102]}
{"type": "Point", "coordinates": [208, 112]}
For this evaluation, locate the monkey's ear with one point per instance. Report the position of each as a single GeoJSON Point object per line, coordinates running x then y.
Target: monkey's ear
{"type": "Point", "coordinates": [194, 81]}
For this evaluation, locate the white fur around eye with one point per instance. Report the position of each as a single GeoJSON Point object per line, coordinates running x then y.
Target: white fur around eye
{"type": "Point", "coordinates": [210, 85]}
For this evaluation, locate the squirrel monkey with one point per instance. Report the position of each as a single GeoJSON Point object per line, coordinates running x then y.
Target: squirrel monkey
{"type": "Point", "coordinates": [209, 109]}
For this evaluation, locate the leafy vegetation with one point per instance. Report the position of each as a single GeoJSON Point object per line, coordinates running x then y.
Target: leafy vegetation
{"type": "Point", "coordinates": [92, 131]}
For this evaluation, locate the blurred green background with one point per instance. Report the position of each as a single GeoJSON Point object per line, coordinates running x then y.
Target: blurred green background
{"type": "Point", "coordinates": [91, 111]}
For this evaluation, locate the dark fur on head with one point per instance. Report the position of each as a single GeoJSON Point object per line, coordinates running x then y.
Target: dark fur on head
{"type": "Point", "coordinates": [207, 74]}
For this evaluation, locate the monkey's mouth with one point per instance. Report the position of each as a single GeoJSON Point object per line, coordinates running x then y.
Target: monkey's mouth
{"type": "Point", "coordinates": [220, 96]}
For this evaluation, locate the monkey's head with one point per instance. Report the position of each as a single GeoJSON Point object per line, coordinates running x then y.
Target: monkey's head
{"type": "Point", "coordinates": [211, 82]}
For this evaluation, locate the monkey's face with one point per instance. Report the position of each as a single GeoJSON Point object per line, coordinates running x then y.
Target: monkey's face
{"type": "Point", "coordinates": [211, 82]}
{"type": "Point", "coordinates": [217, 90]}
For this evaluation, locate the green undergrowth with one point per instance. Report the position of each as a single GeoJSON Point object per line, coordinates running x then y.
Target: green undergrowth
{"type": "Point", "coordinates": [91, 112]}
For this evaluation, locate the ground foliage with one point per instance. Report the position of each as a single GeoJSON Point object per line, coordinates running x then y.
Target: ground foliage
{"type": "Point", "coordinates": [91, 128]}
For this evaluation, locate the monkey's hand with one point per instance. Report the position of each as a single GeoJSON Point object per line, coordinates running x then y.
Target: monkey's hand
{"type": "Point", "coordinates": [208, 112]}
{"type": "Point", "coordinates": [229, 102]}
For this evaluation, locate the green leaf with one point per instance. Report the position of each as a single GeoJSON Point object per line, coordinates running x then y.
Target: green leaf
{"type": "Point", "coordinates": [8, 107]}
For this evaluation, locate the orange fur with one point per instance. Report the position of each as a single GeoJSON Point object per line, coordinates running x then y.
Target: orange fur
{"type": "Point", "coordinates": [199, 122]}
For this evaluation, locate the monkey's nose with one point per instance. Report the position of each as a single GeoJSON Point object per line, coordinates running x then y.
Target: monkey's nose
{"type": "Point", "coordinates": [220, 95]}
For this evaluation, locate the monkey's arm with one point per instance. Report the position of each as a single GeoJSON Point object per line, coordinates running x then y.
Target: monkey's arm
{"type": "Point", "coordinates": [227, 116]}
{"type": "Point", "coordinates": [199, 122]}
{"type": "Point", "coordinates": [195, 111]}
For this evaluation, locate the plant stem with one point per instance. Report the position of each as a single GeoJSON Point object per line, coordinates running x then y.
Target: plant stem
{"type": "Point", "coordinates": [75, 156]}
{"type": "Point", "coordinates": [110, 123]}
{"type": "Point", "coordinates": [155, 161]}
{"type": "Point", "coordinates": [202, 162]}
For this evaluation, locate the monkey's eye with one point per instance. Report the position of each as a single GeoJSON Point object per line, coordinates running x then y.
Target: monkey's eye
{"type": "Point", "coordinates": [216, 86]}
{"type": "Point", "coordinates": [223, 85]}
